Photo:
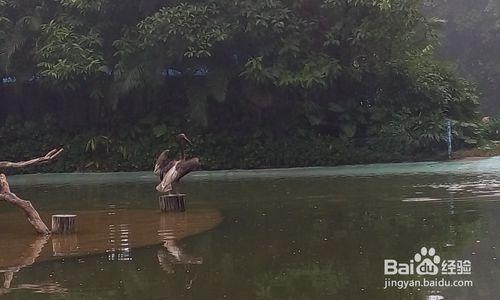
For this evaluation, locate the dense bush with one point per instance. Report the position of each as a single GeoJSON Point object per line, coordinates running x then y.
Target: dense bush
{"type": "Point", "coordinates": [257, 83]}
{"type": "Point", "coordinates": [134, 148]}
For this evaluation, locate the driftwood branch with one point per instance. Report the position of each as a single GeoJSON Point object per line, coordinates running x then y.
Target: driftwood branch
{"type": "Point", "coordinates": [30, 212]}
{"type": "Point", "coordinates": [9, 197]}
{"type": "Point", "coordinates": [52, 154]}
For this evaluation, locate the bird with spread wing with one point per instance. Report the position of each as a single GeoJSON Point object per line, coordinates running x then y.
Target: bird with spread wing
{"type": "Point", "coordinates": [171, 170]}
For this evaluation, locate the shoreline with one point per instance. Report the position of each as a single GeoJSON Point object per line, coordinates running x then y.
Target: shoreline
{"type": "Point", "coordinates": [470, 165]}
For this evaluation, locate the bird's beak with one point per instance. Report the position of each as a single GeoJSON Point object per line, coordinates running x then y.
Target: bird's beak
{"type": "Point", "coordinates": [187, 140]}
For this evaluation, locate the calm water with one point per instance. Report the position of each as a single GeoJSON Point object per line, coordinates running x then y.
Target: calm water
{"type": "Point", "coordinates": [297, 234]}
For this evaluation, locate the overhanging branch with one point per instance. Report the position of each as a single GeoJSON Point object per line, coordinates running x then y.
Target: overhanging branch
{"type": "Point", "coordinates": [9, 197]}
{"type": "Point", "coordinates": [52, 154]}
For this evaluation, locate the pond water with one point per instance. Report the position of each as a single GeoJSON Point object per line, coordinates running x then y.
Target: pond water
{"type": "Point", "coordinates": [316, 233]}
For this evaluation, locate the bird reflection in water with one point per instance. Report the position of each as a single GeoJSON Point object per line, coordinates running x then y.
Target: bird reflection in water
{"type": "Point", "coordinates": [114, 233]}
{"type": "Point", "coordinates": [172, 254]}
{"type": "Point", "coordinates": [27, 258]}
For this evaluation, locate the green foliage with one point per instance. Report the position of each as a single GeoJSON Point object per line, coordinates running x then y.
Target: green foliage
{"type": "Point", "coordinates": [134, 148]}
{"type": "Point", "coordinates": [469, 34]}
{"type": "Point", "coordinates": [492, 130]}
{"type": "Point", "coordinates": [469, 133]}
{"type": "Point", "coordinates": [66, 56]}
{"type": "Point", "coordinates": [85, 5]}
{"type": "Point", "coordinates": [190, 30]}
{"type": "Point", "coordinates": [321, 72]}
{"type": "Point", "coordinates": [411, 134]}
{"type": "Point", "coordinates": [20, 24]}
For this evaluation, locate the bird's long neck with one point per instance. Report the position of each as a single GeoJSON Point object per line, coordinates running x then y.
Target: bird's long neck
{"type": "Point", "coordinates": [181, 147]}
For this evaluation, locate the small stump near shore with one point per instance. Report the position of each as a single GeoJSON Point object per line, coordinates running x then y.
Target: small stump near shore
{"type": "Point", "coordinates": [172, 203]}
{"type": "Point", "coordinates": [63, 224]}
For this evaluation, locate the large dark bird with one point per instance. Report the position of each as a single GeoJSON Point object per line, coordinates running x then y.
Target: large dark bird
{"type": "Point", "coordinates": [171, 170]}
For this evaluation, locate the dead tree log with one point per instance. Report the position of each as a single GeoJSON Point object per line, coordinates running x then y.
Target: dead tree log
{"type": "Point", "coordinates": [9, 197]}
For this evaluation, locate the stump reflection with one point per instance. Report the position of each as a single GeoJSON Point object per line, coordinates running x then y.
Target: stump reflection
{"type": "Point", "coordinates": [65, 245]}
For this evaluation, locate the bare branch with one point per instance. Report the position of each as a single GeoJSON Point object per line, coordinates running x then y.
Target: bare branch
{"type": "Point", "coordinates": [51, 155]}
{"type": "Point", "coordinates": [7, 196]}
{"type": "Point", "coordinates": [30, 212]}
{"type": "Point", "coordinates": [4, 184]}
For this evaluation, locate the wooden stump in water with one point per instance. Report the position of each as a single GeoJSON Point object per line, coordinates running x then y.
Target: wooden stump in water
{"type": "Point", "coordinates": [172, 203]}
{"type": "Point", "coordinates": [63, 223]}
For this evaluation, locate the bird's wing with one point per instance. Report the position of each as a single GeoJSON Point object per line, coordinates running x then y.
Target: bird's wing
{"type": "Point", "coordinates": [171, 175]}
{"type": "Point", "coordinates": [186, 166]}
{"type": "Point", "coordinates": [175, 170]}
{"type": "Point", "coordinates": [164, 170]}
{"type": "Point", "coordinates": [160, 162]}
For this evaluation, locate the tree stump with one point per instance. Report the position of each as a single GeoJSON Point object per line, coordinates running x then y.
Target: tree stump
{"type": "Point", "coordinates": [63, 223]}
{"type": "Point", "coordinates": [172, 203]}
